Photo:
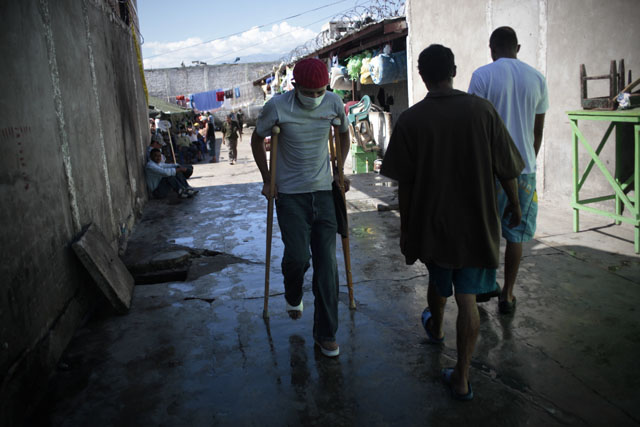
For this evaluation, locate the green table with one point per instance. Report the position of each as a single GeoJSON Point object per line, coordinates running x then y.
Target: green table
{"type": "Point", "coordinates": [626, 123]}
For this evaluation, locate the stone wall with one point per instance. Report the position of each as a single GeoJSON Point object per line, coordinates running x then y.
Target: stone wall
{"type": "Point", "coordinates": [73, 127]}
{"type": "Point", "coordinates": [555, 37]}
{"type": "Point", "coordinates": [166, 83]}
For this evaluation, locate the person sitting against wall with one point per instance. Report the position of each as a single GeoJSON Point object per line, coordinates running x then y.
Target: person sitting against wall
{"type": "Point", "coordinates": [163, 152]}
{"type": "Point", "coordinates": [161, 177]}
{"type": "Point", "coordinates": [155, 144]}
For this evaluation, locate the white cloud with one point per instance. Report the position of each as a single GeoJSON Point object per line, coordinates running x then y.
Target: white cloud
{"type": "Point", "coordinates": [277, 41]}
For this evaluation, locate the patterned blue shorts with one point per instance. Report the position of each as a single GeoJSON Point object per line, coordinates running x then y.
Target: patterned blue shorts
{"type": "Point", "coordinates": [528, 205]}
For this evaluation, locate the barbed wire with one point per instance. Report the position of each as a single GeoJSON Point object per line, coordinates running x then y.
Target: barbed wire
{"type": "Point", "coordinates": [355, 19]}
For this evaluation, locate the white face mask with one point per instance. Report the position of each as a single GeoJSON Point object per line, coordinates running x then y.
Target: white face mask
{"type": "Point", "coordinates": [309, 102]}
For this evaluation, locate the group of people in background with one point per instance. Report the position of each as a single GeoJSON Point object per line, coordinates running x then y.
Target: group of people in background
{"type": "Point", "coordinates": [173, 150]}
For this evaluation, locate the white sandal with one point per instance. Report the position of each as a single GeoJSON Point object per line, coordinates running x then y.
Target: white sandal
{"type": "Point", "coordinates": [328, 352]}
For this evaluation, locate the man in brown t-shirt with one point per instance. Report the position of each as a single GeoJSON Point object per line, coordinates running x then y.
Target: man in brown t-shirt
{"type": "Point", "coordinates": [446, 152]}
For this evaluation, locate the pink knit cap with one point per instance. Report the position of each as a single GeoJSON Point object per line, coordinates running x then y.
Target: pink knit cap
{"type": "Point", "coordinates": [311, 73]}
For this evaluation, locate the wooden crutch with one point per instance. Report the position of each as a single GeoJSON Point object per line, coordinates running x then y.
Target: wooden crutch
{"type": "Point", "coordinates": [345, 240]}
{"type": "Point", "coordinates": [173, 154]}
{"type": "Point", "coordinates": [272, 190]}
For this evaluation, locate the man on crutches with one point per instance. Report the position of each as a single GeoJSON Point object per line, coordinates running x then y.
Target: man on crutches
{"type": "Point", "coordinates": [304, 201]}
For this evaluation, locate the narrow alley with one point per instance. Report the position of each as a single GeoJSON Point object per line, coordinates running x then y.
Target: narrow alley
{"type": "Point", "coordinates": [198, 352]}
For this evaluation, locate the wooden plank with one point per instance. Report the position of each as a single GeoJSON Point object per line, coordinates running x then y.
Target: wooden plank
{"type": "Point", "coordinates": [397, 26]}
{"type": "Point", "coordinates": [105, 267]}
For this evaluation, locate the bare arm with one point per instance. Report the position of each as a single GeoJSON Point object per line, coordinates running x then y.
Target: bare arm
{"type": "Point", "coordinates": [260, 157]}
{"type": "Point", "coordinates": [538, 125]}
{"type": "Point", "coordinates": [510, 187]}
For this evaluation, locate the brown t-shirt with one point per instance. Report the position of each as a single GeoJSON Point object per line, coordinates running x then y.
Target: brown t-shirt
{"type": "Point", "coordinates": [446, 152]}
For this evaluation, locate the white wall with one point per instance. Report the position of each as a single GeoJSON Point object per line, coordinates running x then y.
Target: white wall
{"type": "Point", "coordinates": [556, 36]}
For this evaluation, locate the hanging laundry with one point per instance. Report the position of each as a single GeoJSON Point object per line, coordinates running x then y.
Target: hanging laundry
{"type": "Point", "coordinates": [220, 96]}
{"type": "Point", "coordinates": [204, 101]}
{"type": "Point", "coordinates": [237, 92]}
{"type": "Point", "coordinates": [228, 94]}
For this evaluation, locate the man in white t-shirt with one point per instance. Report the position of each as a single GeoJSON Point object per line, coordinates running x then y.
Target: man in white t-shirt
{"type": "Point", "coordinates": [304, 200]}
{"type": "Point", "coordinates": [519, 94]}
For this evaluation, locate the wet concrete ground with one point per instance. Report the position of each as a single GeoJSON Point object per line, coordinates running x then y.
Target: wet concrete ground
{"type": "Point", "coordinates": [198, 352]}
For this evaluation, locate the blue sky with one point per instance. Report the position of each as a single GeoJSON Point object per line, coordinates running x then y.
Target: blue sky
{"type": "Point", "coordinates": [225, 30]}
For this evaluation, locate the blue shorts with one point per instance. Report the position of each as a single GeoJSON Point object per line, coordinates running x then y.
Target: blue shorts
{"type": "Point", "coordinates": [528, 205]}
{"type": "Point", "coordinates": [465, 280]}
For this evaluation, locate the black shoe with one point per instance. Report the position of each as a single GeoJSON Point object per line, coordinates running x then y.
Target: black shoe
{"type": "Point", "coordinates": [488, 295]}
{"type": "Point", "coordinates": [506, 307]}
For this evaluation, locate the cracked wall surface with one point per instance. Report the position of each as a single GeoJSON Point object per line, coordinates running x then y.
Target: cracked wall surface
{"type": "Point", "coordinates": [73, 133]}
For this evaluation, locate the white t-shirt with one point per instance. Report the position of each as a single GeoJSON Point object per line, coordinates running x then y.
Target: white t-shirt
{"type": "Point", "coordinates": [303, 164]}
{"type": "Point", "coordinates": [518, 92]}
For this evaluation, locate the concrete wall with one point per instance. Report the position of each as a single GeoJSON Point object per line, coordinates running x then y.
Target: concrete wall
{"type": "Point", "coordinates": [556, 36]}
{"type": "Point", "coordinates": [73, 130]}
{"type": "Point", "coordinates": [170, 82]}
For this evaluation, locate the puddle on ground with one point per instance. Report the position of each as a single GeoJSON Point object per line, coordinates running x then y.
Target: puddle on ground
{"type": "Point", "coordinates": [181, 287]}
{"type": "Point", "coordinates": [184, 241]}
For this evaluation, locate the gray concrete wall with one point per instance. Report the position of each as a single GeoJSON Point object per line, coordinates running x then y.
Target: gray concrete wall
{"type": "Point", "coordinates": [170, 82]}
{"type": "Point", "coordinates": [73, 130]}
{"type": "Point", "coordinates": [556, 37]}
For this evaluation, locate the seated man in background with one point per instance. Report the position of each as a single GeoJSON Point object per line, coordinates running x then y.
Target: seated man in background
{"type": "Point", "coordinates": [163, 149]}
{"type": "Point", "coordinates": [162, 176]}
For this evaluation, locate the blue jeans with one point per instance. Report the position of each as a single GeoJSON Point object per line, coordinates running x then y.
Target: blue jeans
{"type": "Point", "coordinates": [177, 183]}
{"type": "Point", "coordinates": [308, 221]}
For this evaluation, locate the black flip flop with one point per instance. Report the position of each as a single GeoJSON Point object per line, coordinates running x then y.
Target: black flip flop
{"type": "Point", "coordinates": [488, 295]}
{"type": "Point", "coordinates": [506, 307]}
{"type": "Point", "coordinates": [446, 377]}
{"type": "Point", "coordinates": [426, 315]}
